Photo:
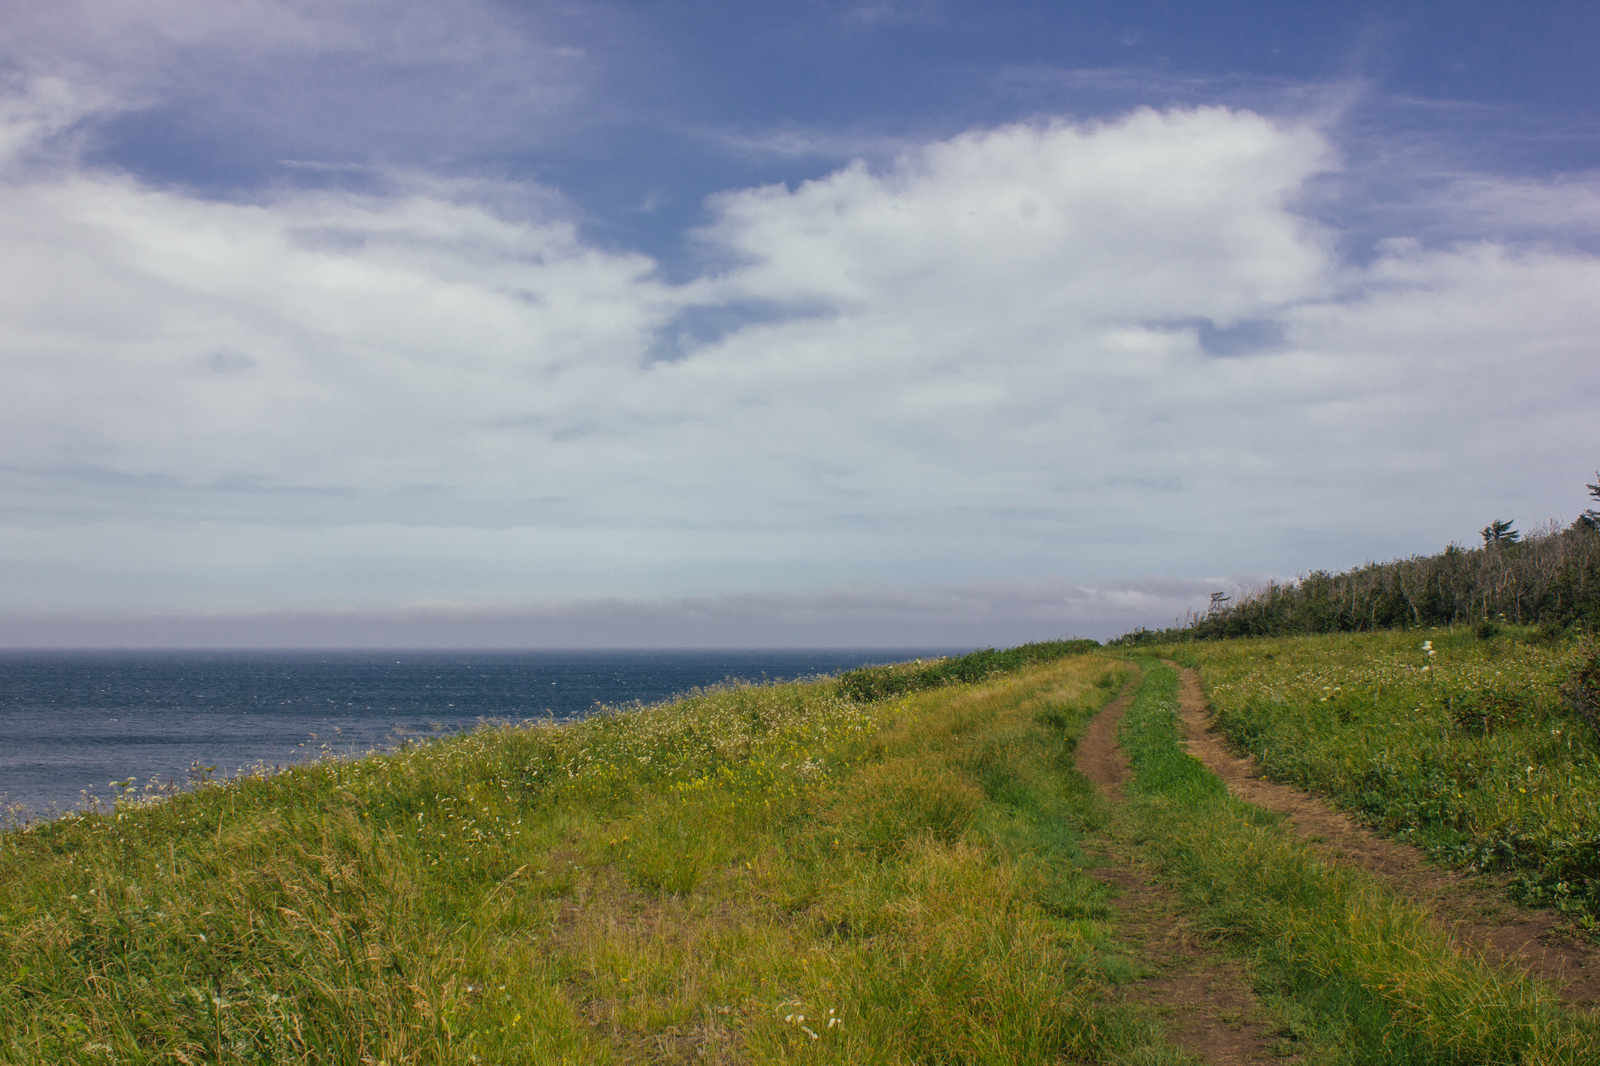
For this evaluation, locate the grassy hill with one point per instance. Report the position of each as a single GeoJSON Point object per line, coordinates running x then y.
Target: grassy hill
{"type": "Point", "coordinates": [771, 872]}
{"type": "Point", "coordinates": [891, 867]}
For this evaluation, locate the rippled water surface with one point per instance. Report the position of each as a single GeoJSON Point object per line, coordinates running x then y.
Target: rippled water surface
{"type": "Point", "coordinates": [70, 723]}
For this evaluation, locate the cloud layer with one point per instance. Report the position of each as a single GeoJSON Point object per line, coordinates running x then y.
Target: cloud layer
{"type": "Point", "coordinates": [954, 616]}
{"type": "Point", "coordinates": [1103, 349]}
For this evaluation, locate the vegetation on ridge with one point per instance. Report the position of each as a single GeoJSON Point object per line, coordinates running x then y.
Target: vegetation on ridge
{"type": "Point", "coordinates": [882, 682]}
{"type": "Point", "coordinates": [1550, 577]}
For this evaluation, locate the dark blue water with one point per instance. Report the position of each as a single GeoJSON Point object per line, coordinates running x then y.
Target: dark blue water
{"type": "Point", "coordinates": [72, 722]}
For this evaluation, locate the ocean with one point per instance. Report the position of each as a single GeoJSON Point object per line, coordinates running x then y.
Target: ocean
{"type": "Point", "coordinates": [71, 723]}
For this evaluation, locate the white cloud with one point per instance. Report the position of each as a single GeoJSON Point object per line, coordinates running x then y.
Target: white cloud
{"type": "Point", "coordinates": [1565, 208]}
{"type": "Point", "coordinates": [335, 81]}
{"type": "Point", "coordinates": [984, 360]}
{"type": "Point", "coordinates": [374, 342]}
{"type": "Point", "coordinates": [1153, 216]}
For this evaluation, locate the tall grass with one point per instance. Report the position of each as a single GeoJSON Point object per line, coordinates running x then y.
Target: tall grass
{"type": "Point", "coordinates": [1362, 960]}
{"type": "Point", "coordinates": [771, 873]}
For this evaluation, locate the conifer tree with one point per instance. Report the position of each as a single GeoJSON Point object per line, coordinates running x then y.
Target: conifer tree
{"type": "Point", "coordinates": [1497, 533]}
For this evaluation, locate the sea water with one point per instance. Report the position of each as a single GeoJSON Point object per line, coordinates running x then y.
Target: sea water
{"type": "Point", "coordinates": [71, 723]}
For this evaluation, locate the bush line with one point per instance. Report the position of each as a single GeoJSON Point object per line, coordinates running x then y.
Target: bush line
{"type": "Point", "coordinates": [1550, 580]}
{"type": "Point", "coordinates": [868, 683]}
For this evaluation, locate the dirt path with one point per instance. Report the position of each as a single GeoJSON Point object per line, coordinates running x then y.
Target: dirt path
{"type": "Point", "coordinates": [1474, 908]}
{"type": "Point", "coordinates": [1202, 996]}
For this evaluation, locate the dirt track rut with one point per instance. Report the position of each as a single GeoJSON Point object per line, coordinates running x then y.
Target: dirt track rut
{"type": "Point", "coordinates": [1202, 996]}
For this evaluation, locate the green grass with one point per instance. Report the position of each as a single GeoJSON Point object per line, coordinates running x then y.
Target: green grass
{"type": "Point", "coordinates": [1371, 972]}
{"type": "Point", "coordinates": [784, 873]}
{"type": "Point", "coordinates": [1471, 753]}
{"type": "Point", "coordinates": [771, 873]}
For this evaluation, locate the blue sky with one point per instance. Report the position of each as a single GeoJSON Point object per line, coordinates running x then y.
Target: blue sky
{"type": "Point", "coordinates": [809, 323]}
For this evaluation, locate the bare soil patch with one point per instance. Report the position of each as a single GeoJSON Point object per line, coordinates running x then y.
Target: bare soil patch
{"type": "Point", "coordinates": [1202, 996]}
{"type": "Point", "coordinates": [1474, 908]}
{"type": "Point", "coordinates": [1099, 756]}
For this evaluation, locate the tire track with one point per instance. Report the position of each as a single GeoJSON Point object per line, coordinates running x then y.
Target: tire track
{"type": "Point", "coordinates": [1202, 996]}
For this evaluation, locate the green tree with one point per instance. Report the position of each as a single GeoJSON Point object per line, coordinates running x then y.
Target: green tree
{"type": "Point", "coordinates": [1497, 533]}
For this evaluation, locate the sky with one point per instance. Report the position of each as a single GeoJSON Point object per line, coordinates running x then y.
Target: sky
{"type": "Point", "coordinates": [393, 323]}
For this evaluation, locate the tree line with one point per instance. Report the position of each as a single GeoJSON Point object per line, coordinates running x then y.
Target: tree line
{"type": "Point", "coordinates": [1550, 577]}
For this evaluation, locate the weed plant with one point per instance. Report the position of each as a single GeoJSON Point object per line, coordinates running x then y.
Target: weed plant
{"type": "Point", "coordinates": [1465, 746]}
{"type": "Point", "coordinates": [1368, 966]}
{"type": "Point", "coordinates": [772, 873]}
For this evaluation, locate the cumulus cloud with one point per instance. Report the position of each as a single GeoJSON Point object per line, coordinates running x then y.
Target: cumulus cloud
{"type": "Point", "coordinates": [1100, 349]}
{"type": "Point", "coordinates": [1155, 215]}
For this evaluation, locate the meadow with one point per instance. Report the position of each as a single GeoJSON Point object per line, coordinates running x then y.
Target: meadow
{"type": "Point", "coordinates": [895, 867]}
{"type": "Point", "coordinates": [1465, 745]}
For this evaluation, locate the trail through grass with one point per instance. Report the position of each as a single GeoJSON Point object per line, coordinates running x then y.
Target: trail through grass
{"type": "Point", "coordinates": [1368, 967]}
{"type": "Point", "coordinates": [1464, 746]}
